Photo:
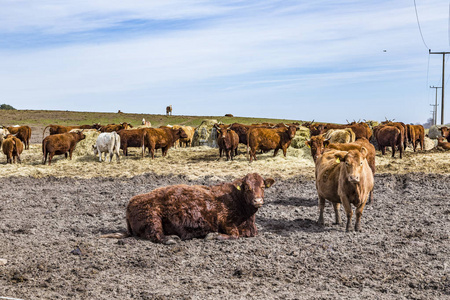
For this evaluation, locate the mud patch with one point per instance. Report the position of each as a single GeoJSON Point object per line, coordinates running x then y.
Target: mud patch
{"type": "Point", "coordinates": [49, 230]}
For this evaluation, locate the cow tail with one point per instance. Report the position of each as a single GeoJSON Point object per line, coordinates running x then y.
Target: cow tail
{"type": "Point", "coordinates": [248, 141]}
{"type": "Point", "coordinates": [144, 134]}
{"type": "Point", "coordinates": [44, 151]}
{"type": "Point", "coordinates": [43, 133]}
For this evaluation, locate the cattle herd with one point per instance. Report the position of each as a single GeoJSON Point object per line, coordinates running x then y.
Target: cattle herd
{"type": "Point", "coordinates": [344, 157]}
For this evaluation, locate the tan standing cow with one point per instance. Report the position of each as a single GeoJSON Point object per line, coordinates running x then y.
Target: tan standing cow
{"type": "Point", "coordinates": [344, 177]}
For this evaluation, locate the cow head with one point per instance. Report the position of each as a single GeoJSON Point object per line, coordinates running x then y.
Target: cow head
{"type": "Point", "coordinates": [317, 144]}
{"type": "Point", "coordinates": [445, 131]}
{"type": "Point", "coordinates": [291, 131]}
{"type": "Point", "coordinates": [252, 186]}
{"type": "Point", "coordinates": [95, 149]}
{"type": "Point", "coordinates": [352, 162]}
{"type": "Point", "coordinates": [440, 140]}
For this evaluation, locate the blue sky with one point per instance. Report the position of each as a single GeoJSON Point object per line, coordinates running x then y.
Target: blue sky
{"type": "Point", "coordinates": [303, 60]}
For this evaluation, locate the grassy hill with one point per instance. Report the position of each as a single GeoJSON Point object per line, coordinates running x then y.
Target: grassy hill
{"type": "Point", "coordinates": [42, 118]}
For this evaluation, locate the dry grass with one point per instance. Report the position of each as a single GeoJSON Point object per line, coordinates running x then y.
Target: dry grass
{"type": "Point", "coordinates": [204, 161]}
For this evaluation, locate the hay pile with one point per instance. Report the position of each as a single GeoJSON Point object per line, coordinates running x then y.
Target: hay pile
{"type": "Point", "coordinates": [84, 147]}
{"type": "Point", "coordinates": [205, 134]}
{"type": "Point", "coordinates": [300, 137]}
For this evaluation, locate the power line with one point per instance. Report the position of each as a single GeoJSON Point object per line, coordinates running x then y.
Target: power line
{"type": "Point", "coordinates": [418, 24]}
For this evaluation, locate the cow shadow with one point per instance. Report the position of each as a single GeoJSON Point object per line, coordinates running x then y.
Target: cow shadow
{"type": "Point", "coordinates": [285, 227]}
{"type": "Point", "coordinates": [296, 201]}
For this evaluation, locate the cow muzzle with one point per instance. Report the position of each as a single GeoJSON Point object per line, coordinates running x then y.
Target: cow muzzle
{"type": "Point", "coordinates": [258, 202]}
{"type": "Point", "coordinates": [353, 179]}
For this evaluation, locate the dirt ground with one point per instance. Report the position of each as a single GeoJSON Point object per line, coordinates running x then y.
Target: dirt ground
{"type": "Point", "coordinates": [50, 228]}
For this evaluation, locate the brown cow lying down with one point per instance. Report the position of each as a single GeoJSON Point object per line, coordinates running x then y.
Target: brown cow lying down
{"type": "Point", "coordinates": [227, 209]}
{"type": "Point", "coordinates": [443, 144]}
{"type": "Point", "coordinates": [58, 144]}
{"type": "Point", "coordinates": [344, 177]}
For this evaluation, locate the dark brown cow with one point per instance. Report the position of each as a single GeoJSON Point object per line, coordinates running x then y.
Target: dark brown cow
{"type": "Point", "coordinates": [403, 130]}
{"type": "Point", "coordinates": [131, 138]}
{"type": "Point", "coordinates": [242, 131]}
{"type": "Point", "coordinates": [227, 209]}
{"type": "Point", "coordinates": [58, 129]}
{"type": "Point", "coordinates": [169, 110]}
{"type": "Point", "coordinates": [389, 136]}
{"type": "Point", "coordinates": [344, 177]}
{"type": "Point", "coordinates": [163, 137]}
{"type": "Point", "coordinates": [23, 133]}
{"type": "Point", "coordinates": [115, 127]}
{"type": "Point", "coordinates": [227, 140]}
{"type": "Point", "coordinates": [443, 144]}
{"type": "Point", "coordinates": [58, 144]}
{"type": "Point", "coordinates": [266, 139]}
{"type": "Point", "coordinates": [12, 148]}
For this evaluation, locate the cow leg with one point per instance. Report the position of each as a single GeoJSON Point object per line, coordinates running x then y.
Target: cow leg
{"type": "Point", "coordinates": [358, 213]}
{"type": "Point", "coordinates": [321, 209]}
{"type": "Point", "coordinates": [220, 152]}
{"type": "Point", "coordinates": [18, 158]}
{"type": "Point", "coordinates": [152, 152]}
{"type": "Point", "coordinates": [275, 152]}
{"type": "Point", "coordinates": [370, 197]}
{"type": "Point", "coordinates": [337, 214]}
{"type": "Point", "coordinates": [65, 155]}
{"type": "Point", "coordinates": [393, 150]}
{"type": "Point", "coordinates": [348, 212]}
{"type": "Point", "coordinates": [383, 150]}
{"type": "Point", "coordinates": [421, 144]}
{"type": "Point", "coordinates": [284, 151]}
{"type": "Point", "coordinates": [50, 156]}
{"type": "Point", "coordinates": [70, 154]}
{"type": "Point", "coordinates": [401, 152]}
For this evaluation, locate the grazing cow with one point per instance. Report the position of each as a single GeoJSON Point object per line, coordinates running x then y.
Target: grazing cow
{"type": "Point", "coordinates": [58, 129]}
{"type": "Point", "coordinates": [266, 139]}
{"type": "Point", "coordinates": [418, 133]}
{"type": "Point", "coordinates": [163, 137]}
{"type": "Point", "coordinates": [169, 110]}
{"type": "Point", "coordinates": [131, 138]}
{"type": "Point", "coordinates": [115, 127]}
{"type": "Point", "coordinates": [389, 136]}
{"type": "Point", "coordinates": [345, 135]}
{"type": "Point", "coordinates": [227, 140]}
{"type": "Point", "coordinates": [108, 143]}
{"type": "Point", "coordinates": [146, 123]}
{"type": "Point", "coordinates": [12, 148]}
{"type": "Point", "coordinates": [344, 177]}
{"type": "Point", "coordinates": [195, 211]}
{"type": "Point", "coordinates": [58, 144]}
{"type": "Point", "coordinates": [186, 142]}
{"type": "Point", "coordinates": [443, 144]}
{"type": "Point", "coordinates": [23, 133]}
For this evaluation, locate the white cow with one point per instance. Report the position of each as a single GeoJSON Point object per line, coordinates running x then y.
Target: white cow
{"type": "Point", "coordinates": [107, 142]}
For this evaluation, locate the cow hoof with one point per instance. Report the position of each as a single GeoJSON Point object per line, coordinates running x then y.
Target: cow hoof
{"type": "Point", "coordinates": [170, 242]}
{"type": "Point", "coordinates": [211, 236]}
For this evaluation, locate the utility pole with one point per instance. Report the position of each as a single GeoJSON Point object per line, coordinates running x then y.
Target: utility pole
{"type": "Point", "coordinates": [443, 81]}
{"type": "Point", "coordinates": [435, 105]}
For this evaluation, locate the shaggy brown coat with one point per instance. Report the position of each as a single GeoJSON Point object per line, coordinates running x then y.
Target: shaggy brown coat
{"type": "Point", "coordinates": [23, 133]}
{"type": "Point", "coordinates": [227, 140]}
{"type": "Point", "coordinates": [266, 139]}
{"type": "Point", "coordinates": [12, 148]}
{"type": "Point", "coordinates": [164, 138]}
{"type": "Point", "coordinates": [58, 144]}
{"type": "Point", "coordinates": [344, 177]}
{"type": "Point", "coordinates": [194, 211]}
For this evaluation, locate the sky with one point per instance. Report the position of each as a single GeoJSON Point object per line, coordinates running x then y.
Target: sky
{"type": "Point", "coordinates": [326, 60]}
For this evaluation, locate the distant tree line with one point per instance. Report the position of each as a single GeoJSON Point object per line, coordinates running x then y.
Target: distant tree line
{"type": "Point", "coordinates": [7, 107]}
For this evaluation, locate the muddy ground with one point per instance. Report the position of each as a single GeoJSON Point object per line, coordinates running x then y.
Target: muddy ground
{"type": "Point", "coordinates": [49, 229]}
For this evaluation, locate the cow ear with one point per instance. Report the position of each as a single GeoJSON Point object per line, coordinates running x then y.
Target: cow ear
{"type": "Point", "coordinates": [238, 184]}
{"type": "Point", "coordinates": [308, 143]}
{"type": "Point", "coordinates": [268, 182]}
{"type": "Point", "coordinates": [364, 152]}
{"type": "Point", "coordinates": [326, 143]}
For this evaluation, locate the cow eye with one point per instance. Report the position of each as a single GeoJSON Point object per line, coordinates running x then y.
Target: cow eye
{"type": "Point", "coordinates": [361, 164]}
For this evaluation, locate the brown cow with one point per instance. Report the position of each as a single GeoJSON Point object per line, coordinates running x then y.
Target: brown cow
{"type": "Point", "coordinates": [227, 140]}
{"type": "Point", "coordinates": [131, 138]}
{"type": "Point", "coordinates": [445, 131]}
{"type": "Point", "coordinates": [360, 129]}
{"type": "Point", "coordinates": [403, 130]}
{"type": "Point", "coordinates": [23, 133]}
{"type": "Point", "coordinates": [12, 148]}
{"type": "Point", "coordinates": [58, 129]}
{"type": "Point", "coordinates": [186, 142]}
{"type": "Point", "coordinates": [418, 136]}
{"type": "Point", "coordinates": [242, 131]}
{"type": "Point", "coordinates": [266, 139]}
{"type": "Point", "coordinates": [227, 209]}
{"type": "Point", "coordinates": [58, 144]}
{"type": "Point", "coordinates": [115, 127]}
{"type": "Point", "coordinates": [163, 137]}
{"type": "Point", "coordinates": [443, 144]}
{"type": "Point", "coordinates": [388, 135]}
{"type": "Point", "coordinates": [344, 177]}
